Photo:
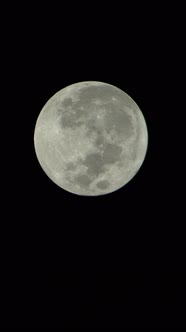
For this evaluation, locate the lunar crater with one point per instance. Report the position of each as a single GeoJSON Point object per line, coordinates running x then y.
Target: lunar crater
{"type": "Point", "coordinates": [67, 102]}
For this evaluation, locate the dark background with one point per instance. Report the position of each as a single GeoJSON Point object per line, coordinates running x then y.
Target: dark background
{"type": "Point", "coordinates": [110, 261]}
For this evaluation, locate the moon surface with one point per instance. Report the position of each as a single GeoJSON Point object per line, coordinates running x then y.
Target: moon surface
{"type": "Point", "coordinates": [90, 138]}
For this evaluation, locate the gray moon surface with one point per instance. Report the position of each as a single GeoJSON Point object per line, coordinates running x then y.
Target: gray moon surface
{"type": "Point", "coordinates": [90, 138]}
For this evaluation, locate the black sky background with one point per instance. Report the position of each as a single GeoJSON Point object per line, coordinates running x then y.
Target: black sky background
{"type": "Point", "coordinates": [110, 261]}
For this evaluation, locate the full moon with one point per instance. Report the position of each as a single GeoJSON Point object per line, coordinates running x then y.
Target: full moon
{"type": "Point", "coordinates": [90, 138]}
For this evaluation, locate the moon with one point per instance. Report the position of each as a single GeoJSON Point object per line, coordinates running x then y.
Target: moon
{"type": "Point", "coordinates": [90, 138]}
